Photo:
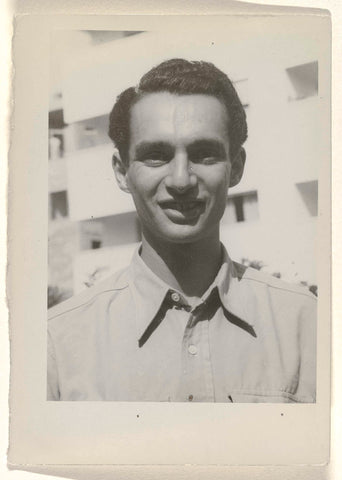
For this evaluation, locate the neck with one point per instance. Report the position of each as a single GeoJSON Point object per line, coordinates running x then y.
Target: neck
{"type": "Point", "coordinates": [188, 267]}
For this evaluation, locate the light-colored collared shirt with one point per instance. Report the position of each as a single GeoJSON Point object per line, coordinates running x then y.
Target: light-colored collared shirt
{"type": "Point", "coordinates": [251, 338]}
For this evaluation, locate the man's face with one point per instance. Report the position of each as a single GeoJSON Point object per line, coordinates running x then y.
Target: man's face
{"type": "Point", "coordinates": [179, 166]}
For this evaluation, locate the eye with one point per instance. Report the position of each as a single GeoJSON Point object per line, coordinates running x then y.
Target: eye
{"type": "Point", "coordinates": [209, 160]}
{"type": "Point", "coordinates": [207, 152]}
{"type": "Point", "coordinates": [154, 162]}
{"type": "Point", "coordinates": [206, 157]}
{"type": "Point", "coordinates": [154, 158]}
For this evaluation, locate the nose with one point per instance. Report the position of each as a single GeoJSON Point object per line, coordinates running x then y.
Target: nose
{"type": "Point", "coordinates": [180, 177]}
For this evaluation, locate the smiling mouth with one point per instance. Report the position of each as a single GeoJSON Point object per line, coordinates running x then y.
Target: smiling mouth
{"type": "Point", "coordinates": [189, 209]}
{"type": "Point", "coordinates": [181, 206]}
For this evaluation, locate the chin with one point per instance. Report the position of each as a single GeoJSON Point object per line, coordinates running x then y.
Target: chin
{"type": "Point", "coordinates": [184, 235]}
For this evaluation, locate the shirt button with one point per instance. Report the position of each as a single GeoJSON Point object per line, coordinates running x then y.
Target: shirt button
{"type": "Point", "coordinates": [175, 297]}
{"type": "Point", "coordinates": [190, 398]}
{"type": "Point", "coordinates": [192, 349]}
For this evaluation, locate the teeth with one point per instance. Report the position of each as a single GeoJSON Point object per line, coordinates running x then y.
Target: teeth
{"type": "Point", "coordinates": [183, 206]}
{"type": "Point", "coordinates": [190, 205]}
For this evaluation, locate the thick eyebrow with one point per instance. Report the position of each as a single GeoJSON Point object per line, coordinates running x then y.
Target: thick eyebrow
{"type": "Point", "coordinates": [215, 146]}
{"type": "Point", "coordinates": [144, 148]}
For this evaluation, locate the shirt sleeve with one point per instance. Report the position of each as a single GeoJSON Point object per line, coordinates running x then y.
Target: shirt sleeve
{"type": "Point", "coordinates": [52, 372]}
{"type": "Point", "coordinates": [308, 328]}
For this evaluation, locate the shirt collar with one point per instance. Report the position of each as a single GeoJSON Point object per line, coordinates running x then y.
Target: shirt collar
{"type": "Point", "coordinates": [150, 292]}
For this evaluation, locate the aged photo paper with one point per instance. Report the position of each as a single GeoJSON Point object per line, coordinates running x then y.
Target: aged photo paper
{"type": "Point", "coordinates": [277, 221]}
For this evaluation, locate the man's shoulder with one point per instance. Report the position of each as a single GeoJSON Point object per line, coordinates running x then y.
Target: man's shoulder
{"type": "Point", "coordinates": [276, 286]}
{"type": "Point", "coordinates": [113, 284]}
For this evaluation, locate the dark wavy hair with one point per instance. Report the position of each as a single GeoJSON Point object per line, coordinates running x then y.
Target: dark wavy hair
{"type": "Point", "coordinates": [181, 77]}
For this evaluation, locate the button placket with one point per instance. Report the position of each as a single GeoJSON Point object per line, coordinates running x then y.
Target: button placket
{"type": "Point", "coordinates": [206, 361]}
{"type": "Point", "coordinates": [192, 378]}
{"type": "Point", "coordinates": [192, 349]}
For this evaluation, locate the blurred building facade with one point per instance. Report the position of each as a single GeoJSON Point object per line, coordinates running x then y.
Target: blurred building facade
{"type": "Point", "coordinates": [271, 216]}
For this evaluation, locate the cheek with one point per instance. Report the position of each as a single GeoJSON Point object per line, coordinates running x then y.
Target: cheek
{"type": "Point", "coordinates": [218, 183]}
{"type": "Point", "coordinates": [141, 183]}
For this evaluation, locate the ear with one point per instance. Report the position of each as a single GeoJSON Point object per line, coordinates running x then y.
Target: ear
{"type": "Point", "coordinates": [238, 164]}
{"type": "Point", "coordinates": [120, 171]}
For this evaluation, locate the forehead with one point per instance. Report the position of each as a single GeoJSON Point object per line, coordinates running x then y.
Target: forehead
{"type": "Point", "coordinates": [178, 118]}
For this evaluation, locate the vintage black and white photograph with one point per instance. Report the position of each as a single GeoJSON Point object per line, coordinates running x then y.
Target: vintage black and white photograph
{"type": "Point", "coordinates": [170, 286]}
{"type": "Point", "coordinates": [183, 204]}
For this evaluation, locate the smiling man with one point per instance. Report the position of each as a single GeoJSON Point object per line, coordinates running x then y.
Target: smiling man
{"type": "Point", "coordinates": [183, 322]}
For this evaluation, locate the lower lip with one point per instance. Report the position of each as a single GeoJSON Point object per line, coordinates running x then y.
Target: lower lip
{"type": "Point", "coordinates": [187, 214]}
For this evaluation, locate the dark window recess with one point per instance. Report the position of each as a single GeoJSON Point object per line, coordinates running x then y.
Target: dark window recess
{"type": "Point", "coordinates": [308, 192]}
{"type": "Point", "coordinates": [242, 208]}
{"type": "Point", "coordinates": [239, 212]}
{"type": "Point", "coordinates": [56, 119]}
{"type": "Point", "coordinates": [59, 205]}
{"type": "Point", "coordinates": [304, 80]}
{"type": "Point", "coordinates": [104, 36]}
{"type": "Point", "coordinates": [96, 244]}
